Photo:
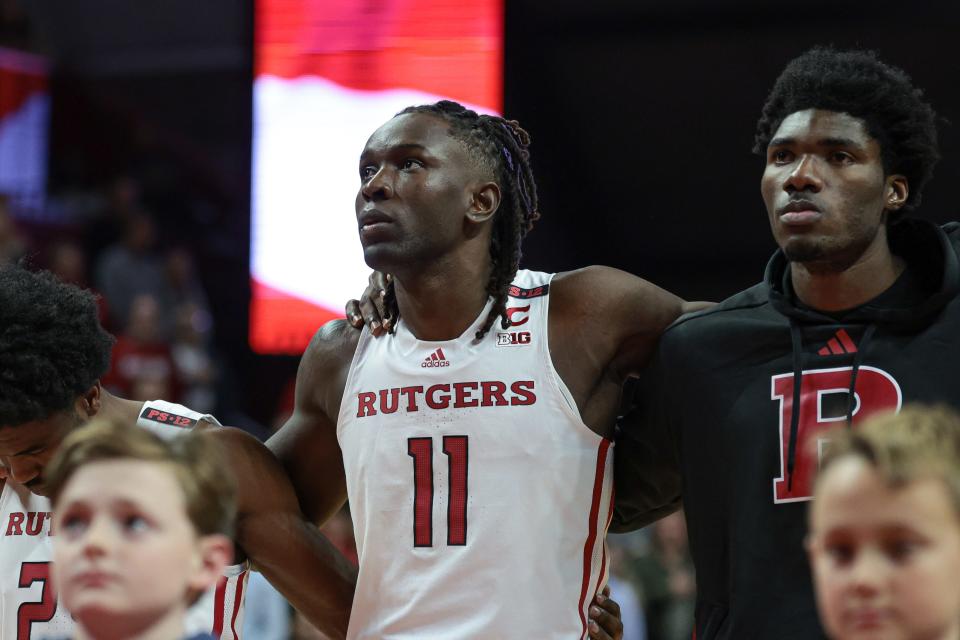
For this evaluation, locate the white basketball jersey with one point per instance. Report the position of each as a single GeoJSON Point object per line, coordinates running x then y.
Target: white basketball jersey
{"type": "Point", "coordinates": [29, 610]}
{"type": "Point", "coordinates": [472, 479]}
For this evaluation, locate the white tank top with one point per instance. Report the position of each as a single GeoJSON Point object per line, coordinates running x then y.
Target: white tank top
{"type": "Point", "coordinates": [471, 479]}
{"type": "Point", "coordinates": [29, 609]}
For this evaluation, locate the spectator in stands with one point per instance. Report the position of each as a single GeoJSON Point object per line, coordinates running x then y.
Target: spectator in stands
{"type": "Point", "coordinates": [106, 225]}
{"type": "Point", "coordinates": [130, 268]}
{"type": "Point", "coordinates": [667, 585]}
{"type": "Point", "coordinates": [181, 285]}
{"type": "Point", "coordinates": [66, 260]}
{"type": "Point", "coordinates": [143, 529]}
{"type": "Point", "coordinates": [194, 366]}
{"type": "Point", "coordinates": [141, 362]}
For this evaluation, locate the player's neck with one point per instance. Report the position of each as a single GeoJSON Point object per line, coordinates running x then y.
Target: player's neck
{"type": "Point", "coordinates": [167, 627]}
{"type": "Point", "coordinates": [442, 302]}
{"type": "Point", "coordinates": [826, 289]}
{"type": "Point", "coordinates": [116, 408]}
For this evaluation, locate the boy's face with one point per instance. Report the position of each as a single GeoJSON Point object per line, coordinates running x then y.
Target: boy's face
{"type": "Point", "coordinates": [885, 560]}
{"type": "Point", "coordinates": [125, 550]}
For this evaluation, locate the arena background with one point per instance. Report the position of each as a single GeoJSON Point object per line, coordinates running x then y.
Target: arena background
{"type": "Point", "coordinates": [642, 115]}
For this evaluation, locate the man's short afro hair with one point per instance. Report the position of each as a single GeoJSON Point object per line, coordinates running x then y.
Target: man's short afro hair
{"type": "Point", "coordinates": [52, 347]}
{"type": "Point", "coordinates": [859, 84]}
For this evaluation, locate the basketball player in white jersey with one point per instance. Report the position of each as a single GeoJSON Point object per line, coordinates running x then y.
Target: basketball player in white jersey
{"type": "Point", "coordinates": [52, 354]}
{"type": "Point", "coordinates": [474, 442]}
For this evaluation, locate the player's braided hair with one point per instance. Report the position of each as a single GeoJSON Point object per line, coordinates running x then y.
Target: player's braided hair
{"type": "Point", "coordinates": [502, 147]}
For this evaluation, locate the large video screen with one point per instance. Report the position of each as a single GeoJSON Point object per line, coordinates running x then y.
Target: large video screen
{"type": "Point", "coordinates": [327, 73]}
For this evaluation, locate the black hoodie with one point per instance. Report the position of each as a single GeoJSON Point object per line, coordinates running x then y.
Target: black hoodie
{"type": "Point", "coordinates": [719, 415]}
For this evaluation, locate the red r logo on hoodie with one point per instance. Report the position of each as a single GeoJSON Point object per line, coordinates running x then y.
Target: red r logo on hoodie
{"type": "Point", "coordinates": [876, 390]}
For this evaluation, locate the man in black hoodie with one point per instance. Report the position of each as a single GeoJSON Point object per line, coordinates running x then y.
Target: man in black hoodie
{"type": "Point", "coordinates": [858, 313]}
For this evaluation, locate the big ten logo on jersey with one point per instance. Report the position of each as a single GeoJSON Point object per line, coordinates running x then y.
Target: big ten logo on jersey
{"type": "Point", "coordinates": [513, 339]}
{"type": "Point", "coordinates": [824, 402]}
{"type": "Point", "coordinates": [518, 316]}
{"type": "Point", "coordinates": [165, 417]}
{"type": "Point", "coordinates": [30, 523]}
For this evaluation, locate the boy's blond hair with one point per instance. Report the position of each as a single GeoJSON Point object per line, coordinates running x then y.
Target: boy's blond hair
{"type": "Point", "coordinates": [920, 442]}
{"type": "Point", "coordinates": [209, 488]}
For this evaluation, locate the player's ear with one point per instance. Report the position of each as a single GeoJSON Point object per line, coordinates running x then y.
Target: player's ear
{"type": "Point", "coordinates": [485, 200]}
{"type": "Point", "coordinates": [88, 404]}
{"type": "Point", "coordinates": [214, 552]}
{"type": "Point", "coordinates": [895, 192]}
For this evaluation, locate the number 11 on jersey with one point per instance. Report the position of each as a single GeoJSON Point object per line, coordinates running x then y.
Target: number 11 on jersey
{"type": "Point", "coordinates": [421, 450]}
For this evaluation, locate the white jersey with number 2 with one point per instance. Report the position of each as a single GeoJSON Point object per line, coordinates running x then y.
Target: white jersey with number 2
{"type": "Point", "coordinates": [480, 499]}
{"type": "Point", "coordinates": [29, 610]}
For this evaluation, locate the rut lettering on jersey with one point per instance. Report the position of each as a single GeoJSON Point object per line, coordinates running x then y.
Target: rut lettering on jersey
{"type": "Point", "coordinates": [823, 402]}
{"type": "Point", "coordinates": [29, 523]}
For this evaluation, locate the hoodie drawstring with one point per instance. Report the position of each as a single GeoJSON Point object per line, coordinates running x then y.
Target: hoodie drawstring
{"type": "Point", "coordinates": [797, 340]}
{"type": "Point", "coordinates": [857, 359]}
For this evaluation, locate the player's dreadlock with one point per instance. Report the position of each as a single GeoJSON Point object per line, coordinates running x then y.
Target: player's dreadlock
{"type": "Point", "coordinates": [502, 147]}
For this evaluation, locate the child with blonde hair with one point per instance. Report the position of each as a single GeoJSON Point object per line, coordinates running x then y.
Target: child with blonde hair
{"type": "Point", "coordinates": [884, 539]}
{"type": "Point", "coordinates": [142, 526]}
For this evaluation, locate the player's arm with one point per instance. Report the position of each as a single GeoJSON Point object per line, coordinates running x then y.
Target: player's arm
{"type": "Point", "coordinates": [613, 317]}
{"type": "Point", "coordinates": [287, 548]}
{"type": "Point", "coordinates": [306, 445]}
{"type": "Point", "coordinates": [646, 467]}
{"type": "Point", "coordinates": [619, 318]}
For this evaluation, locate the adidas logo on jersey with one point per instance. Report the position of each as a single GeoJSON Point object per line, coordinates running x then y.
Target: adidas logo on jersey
{"type": "Point", "coordinates": [839, 344]}
{"type": "Point", "coordinates": [435, 359]}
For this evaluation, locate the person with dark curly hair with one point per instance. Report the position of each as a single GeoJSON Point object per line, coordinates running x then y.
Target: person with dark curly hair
{"type": "Point", "coordinates": [53, 352]}
{"type": "Point", "coordinates": [474, 440]}
{"type": "Point", "coordinates": [858, 313]}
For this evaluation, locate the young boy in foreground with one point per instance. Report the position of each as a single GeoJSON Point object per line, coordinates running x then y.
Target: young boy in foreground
{"type": "Point", "coordinates": [884, 539]}
{"type": "Point", "coordinates": [142, 529]}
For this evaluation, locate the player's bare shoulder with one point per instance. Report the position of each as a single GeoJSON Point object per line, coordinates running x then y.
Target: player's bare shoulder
{"type": "Point", "coordinates": [613, 298]}
{"type": "Point", "coordinates": [325, 365]}
{"type": "Point", "coordinates": [333, 342]}
{"type": "Point", "coordinates": [615, 316]}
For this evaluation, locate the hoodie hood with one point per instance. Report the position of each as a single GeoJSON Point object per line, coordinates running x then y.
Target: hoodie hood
{"type": "Point", "coordinates": [929, 249]}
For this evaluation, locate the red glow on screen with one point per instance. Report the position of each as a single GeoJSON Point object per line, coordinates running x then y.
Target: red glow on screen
{"type": "Point", "coordinates": [327, 74]}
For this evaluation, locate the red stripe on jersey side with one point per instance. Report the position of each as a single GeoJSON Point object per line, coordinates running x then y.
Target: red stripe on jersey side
{"type": "Point", "coordinates": [592, 531]}
{"type": "Point", "coordinates": [603, 561]}
{"type": "Point", "coordinates": [237, 603]}
{"type": "Point", "coordinates": [845, 340]}
{"type": "Point", "coordinates": [218, 607]}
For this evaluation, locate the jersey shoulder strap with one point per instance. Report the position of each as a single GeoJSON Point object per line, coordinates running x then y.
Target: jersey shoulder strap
{"type": "Point", "coordinates": [169, 420]}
